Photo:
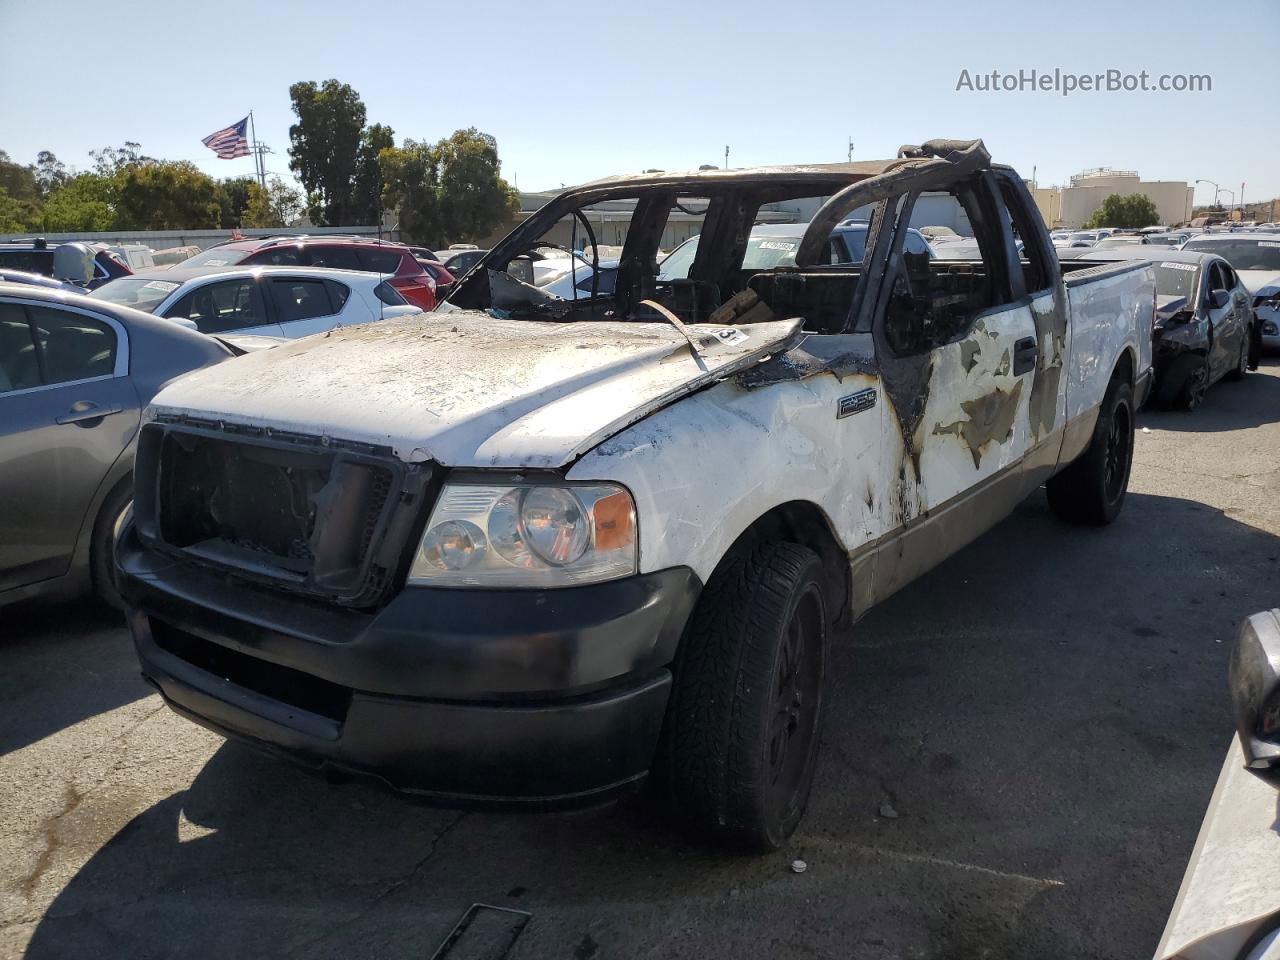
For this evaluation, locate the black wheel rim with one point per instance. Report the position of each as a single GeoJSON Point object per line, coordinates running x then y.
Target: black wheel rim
{"type": "Point", "coordinates": [797, 688]}
{"type": "Point", "coordinates": [1116, 468]}
{"type": "Point", "coordinates": [1197, 383]}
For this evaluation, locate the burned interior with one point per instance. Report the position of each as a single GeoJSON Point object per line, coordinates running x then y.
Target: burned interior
{"type": "Point", "coordinates": [925, 302]}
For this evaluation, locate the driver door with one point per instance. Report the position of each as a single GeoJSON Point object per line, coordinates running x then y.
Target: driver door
{"type": "Point", "coordinates": [959, 345]}
{"type": "Point", "coordinates": [1224, 339]}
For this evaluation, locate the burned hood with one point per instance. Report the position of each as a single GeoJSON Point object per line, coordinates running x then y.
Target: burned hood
{"type": "Point", "coordinates": [466, 389]}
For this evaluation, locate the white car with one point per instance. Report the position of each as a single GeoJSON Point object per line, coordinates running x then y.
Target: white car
{"type": "Point", "coordinates": [1084, 238]}
{"type": "Point", "coordinates": [570, 280]}
{"type": "Point", "coordinates": [284, 302]}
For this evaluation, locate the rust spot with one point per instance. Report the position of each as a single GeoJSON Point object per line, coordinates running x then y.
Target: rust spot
{"type": "Point", "coordinates": [990, 419]}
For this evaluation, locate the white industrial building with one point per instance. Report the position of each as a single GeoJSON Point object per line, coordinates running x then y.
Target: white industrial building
{"type": "Point", "coordinates": [1073, 205]}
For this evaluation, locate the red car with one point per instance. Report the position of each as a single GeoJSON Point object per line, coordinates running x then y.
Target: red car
{"type": "Point", "coordinates": [443, 278]}
{"type": "Point", "coordinates": [341, 252]}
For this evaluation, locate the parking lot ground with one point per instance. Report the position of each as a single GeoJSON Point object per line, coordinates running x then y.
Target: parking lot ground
{"type": "Point", "coordinates": [1045, 714]}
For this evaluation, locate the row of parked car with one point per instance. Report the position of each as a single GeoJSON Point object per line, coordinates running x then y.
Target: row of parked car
{"type": "Point", "coordinates": [1217, 308]}
{"type": "Point", "coordinates": [86, 341]}
{"type": "Point", "coordinates": [94, 361]}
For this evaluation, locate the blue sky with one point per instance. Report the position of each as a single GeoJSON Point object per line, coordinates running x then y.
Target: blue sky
{"type": "Point", "coordinates": [576, 91]}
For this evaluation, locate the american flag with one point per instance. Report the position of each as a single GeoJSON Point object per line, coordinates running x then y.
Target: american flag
{"type": "Point", "coordinates": [231, 142]}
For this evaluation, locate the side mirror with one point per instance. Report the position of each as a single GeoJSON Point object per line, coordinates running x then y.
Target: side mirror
{"type": "Point", "coordinates": [1219, 299]}
{"type": "Point", "coordinates": [1255, 691]}
{"type": "Point", "coordinates": [522, 269]}
{"type": "Point", "coordinates": [73, 262]}
{"type": "Point", "coordinates": [184, 322]}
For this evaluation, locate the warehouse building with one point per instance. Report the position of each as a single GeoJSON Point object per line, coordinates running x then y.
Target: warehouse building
{"type": "Point", "coordinates": [1071, 206]}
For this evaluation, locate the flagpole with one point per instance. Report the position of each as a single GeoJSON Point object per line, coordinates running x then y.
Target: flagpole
{"type": "Point", "coordinates": [257, 154]}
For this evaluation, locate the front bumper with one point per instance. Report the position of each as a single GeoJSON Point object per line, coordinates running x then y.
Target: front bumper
{"type": "Point", "coordinates": [1269, 324]}
{"type": "Point", "coordinates": [456, 696]}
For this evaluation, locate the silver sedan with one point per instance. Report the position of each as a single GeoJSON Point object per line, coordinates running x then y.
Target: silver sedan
{"type": "Point", "coordinates": [75, 375]}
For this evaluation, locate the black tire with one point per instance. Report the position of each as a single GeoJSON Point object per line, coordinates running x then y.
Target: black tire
{"type": "Point", "coordinates": [1242, 362]}
{"type": "Point", "coordinates": [1092, 489]}
{"type": "Point", "coordinates": [746, 706]}
{"type": "Point", "coordinates": [101, 562]}
{"type": "Point", "coordinates": [1183, 385]}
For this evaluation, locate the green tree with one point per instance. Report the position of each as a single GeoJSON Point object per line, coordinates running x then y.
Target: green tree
{"type": "Point", "coordinates": [1132, 211]}
{"type": "Point", "coordinates": [233, 199]}
{"type": "Point", "coordinates": [50, 172]}
{"type": "Point", "coordinates": [84, 202]}
{"type": "Point", "coordinates": [449, 191]}
{"type": "Point", "coordinates": [166, 195]}
{"type": "Point", "coordinates": [110, 161]}
{"type": "Point", "coordinates": [474, 199]}
{"type": "Point", "coordinates": [257, 210]}
{"type": "Point", "coordinates": [410, 187]}
{"type": "Point", "coordinates": [366, 201]}
{"type": "Point", "coordinates": [325, 144]}
{"type": "Point", "coordinates": [272, 207]}
{"type": "Point", "coordinates": [18, 181]}
{"type": "Point", "coordinates": [17, 216]}
{"type": "Point", "coordinates": [285, 202]}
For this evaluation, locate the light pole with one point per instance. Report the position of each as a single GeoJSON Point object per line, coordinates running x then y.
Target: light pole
{"type": "Point", "coordinates": [1216, 190]}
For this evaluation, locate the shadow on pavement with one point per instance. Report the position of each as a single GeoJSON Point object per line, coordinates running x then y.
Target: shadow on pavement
{"type": "Point", "coordinates": [60, 664]}
{"type": "Point", "coordinates": [1045, 713]}
{"type": "Point", "coordinates": [1229, 405]}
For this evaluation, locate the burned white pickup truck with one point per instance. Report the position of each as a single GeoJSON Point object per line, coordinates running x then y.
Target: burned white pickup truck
{"type": "Point", "coordinates": [531, 549]}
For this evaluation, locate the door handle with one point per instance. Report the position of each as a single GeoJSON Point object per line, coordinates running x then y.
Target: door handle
{"type": "Point", "coordinates": [1025, 354]}
{"type": "Point", "coordinates": [84, 411]}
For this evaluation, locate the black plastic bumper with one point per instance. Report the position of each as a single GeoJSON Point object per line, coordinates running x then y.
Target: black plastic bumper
{"type": "Point", "coordinates": [458, 696]}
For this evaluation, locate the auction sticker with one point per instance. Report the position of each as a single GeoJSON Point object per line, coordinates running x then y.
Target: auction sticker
{"type": "Point", "coordinates": [1170, 265]}
{"type": "Point", "coordinates": [729, 336]}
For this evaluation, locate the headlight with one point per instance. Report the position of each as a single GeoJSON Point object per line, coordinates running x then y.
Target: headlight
{"type": "Point", "coordinates": [527, 535]}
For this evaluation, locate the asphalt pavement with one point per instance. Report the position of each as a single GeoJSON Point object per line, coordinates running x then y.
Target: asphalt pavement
{"type": "Point", "coordinates": [1018, 753]}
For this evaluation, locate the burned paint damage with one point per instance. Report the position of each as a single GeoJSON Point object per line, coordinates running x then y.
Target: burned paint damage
{"type": "Point", "coordinates": [839, 356]}
{"type": "Point", "coordinates": [1050, 317]}
{"type": "Point", "coordinates": [990, 419]}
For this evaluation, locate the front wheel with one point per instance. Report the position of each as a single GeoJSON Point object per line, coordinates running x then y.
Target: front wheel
{"type": "Point", "coordinates": [1184, 384]}
{"type": "Point", "coordinates": [1092, 489]}
{"type": "Point", "coordinates": [742, 736]}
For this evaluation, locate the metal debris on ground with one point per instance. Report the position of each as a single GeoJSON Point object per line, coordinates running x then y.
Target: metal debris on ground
{"type": "Point", "coordinates": [484, 933]}
{"type": "Point", "coordinates": [799, 866]}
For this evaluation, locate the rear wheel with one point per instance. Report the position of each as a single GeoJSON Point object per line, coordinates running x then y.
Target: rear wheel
{"type": "Point", "coordinates": [742, 737]}
{"type": "Point", "coordinates": [1092, 489]}
{"type": "Point", "coordinates": [102, 565]}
